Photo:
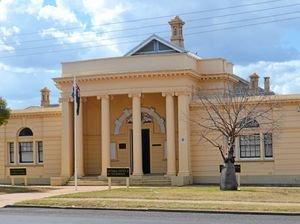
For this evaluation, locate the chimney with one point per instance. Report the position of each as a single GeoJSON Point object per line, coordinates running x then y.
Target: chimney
{"type": "Point", "coordinates": [176, 28]}
{"type": "Point", "coordinates": [267, 85]}
{"type": "Point", "coordinates": [254, 84]}
{"type": "Point", "coordinates": [45, 97]}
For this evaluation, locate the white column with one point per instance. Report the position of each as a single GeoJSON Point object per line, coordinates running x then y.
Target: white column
{"type": "Point", "coordinates": [79, 141]}
{"type": "Point", "coordinates": [105, 134]}
{"type": "Point", "coordinates": [183, 134]}
{"type": "Point", "coordinates": [66, 138]}
{"type": "Point", "coordinates": [170, 125]}
{"type": "Point", "coordinates": [137, 137]}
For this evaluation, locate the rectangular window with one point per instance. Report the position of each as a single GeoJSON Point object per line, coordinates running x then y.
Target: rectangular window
{"type": "Point", "coordinates": [268, 145]}
{"type": "Point", "coordinates": [113, 151]}
{"type": "Point", "coordinates": [26, 152]}
{"type": "Point", "coordinates": [40, 152]}
{"type": "Point", "coordinates": [250, 146]}
{"type": "Point", "coordinates": [11, 152]}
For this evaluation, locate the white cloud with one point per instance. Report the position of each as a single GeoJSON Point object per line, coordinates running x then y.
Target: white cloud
{"type": "Point", "coordinates": [25, 70]}
{"type": "Point", "coordinates": [5, 33]}
{"type": "Point", "coordinates": [84, 38]}
{"type": "Point", "coordinates": [285, 76]}
{"type": "Point", "coordinates": [4, 5]}
{"type": "Point", "coordinates": [33, 6]}
{"type": "Point", "coordinates": [100, 12]}
{"type": "Point", "coordinates": [60, 13]}
{"type": "Point", "coordinates": [5, 47]}
{"type": "Point", "coordinates": [14, 7]}
{"type": "Point", "coordinates": [15, 79]}
{"type": "Point", "coordinates": [8, 31]}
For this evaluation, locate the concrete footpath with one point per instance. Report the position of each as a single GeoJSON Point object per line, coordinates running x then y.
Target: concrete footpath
{"type": "Point", "coordinates": [10, 199]}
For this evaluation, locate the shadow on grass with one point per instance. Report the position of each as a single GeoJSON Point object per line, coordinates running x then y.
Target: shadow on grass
{"type": "Point", "coordinates": [20, 189]}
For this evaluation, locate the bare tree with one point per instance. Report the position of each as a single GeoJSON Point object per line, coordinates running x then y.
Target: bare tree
{"type": "Point", "coordinates": [225, 116]}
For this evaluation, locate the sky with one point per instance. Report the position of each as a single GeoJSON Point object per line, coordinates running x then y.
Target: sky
{"type": "Point", "coordinates": [259, 36]}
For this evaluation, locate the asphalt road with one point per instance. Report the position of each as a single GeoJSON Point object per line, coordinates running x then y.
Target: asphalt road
{"type": "Point", "coordinates": [63, 216]}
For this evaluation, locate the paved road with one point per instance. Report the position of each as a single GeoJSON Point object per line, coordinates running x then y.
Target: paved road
{"type": "Point", "coordinates": [62, 216]}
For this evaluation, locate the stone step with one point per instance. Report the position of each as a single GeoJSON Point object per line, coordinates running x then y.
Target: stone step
{"type": "Point", "coordinates": [143, 181]}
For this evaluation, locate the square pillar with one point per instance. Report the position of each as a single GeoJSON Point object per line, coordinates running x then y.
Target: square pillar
{"type": "Point", "coordinates": [67, 138]}
{"type": "Point", "coordinates": [183, 133]}
{"type": "Point", "coordinates": [137, 135]}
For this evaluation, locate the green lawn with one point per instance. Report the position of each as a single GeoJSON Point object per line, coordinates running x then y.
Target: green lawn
{"type": "Point", "coordinates": [11, 190]}
{"type": "Point", "coordinates": [259, 194]}
{"type": "Point", "coordinates": [272, 199]}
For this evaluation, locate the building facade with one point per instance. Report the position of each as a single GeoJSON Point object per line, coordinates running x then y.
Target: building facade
{"type": "Point", "coordinates": [135, 112]}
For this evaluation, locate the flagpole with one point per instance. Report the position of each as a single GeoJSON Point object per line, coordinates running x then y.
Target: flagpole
{"type": "Point", "coordinates": [75, 131]}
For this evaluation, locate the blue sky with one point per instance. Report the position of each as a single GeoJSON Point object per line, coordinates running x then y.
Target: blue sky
{"type": "Point", "coordinates": [82, 29]}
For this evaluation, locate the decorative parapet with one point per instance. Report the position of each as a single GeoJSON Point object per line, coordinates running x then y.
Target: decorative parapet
{"type": "Point", "coordinates": [36, 112]}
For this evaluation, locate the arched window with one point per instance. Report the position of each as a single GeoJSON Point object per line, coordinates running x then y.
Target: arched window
{"type": "Point", "coordinates": [249, 122]}
{"type": "Point", "coordinates": [26, 132]}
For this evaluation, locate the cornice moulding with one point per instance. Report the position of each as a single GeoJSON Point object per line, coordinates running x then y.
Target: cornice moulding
{"type": "Point", "coordinates": [156, 74]}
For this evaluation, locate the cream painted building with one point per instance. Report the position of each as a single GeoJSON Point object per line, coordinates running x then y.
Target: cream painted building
{"type": "Point", "coordinates": [135, 112]}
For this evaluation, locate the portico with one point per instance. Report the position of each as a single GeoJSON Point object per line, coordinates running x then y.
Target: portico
{"type": "Point", "coordinates": [111, 126]}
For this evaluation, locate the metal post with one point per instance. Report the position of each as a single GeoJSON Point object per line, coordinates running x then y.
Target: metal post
{"type": "Point", "coordinates": [75, 132]}
{"type": "Point", "coordinates": [238, 180]}
{"type": "Point", "coordinates": [127, 182]}
{"type": "Point", "coordinates": [109, 183]}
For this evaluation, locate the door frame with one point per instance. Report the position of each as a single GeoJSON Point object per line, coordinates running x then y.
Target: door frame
{"type": "Point", "coordinates": [131, 147]}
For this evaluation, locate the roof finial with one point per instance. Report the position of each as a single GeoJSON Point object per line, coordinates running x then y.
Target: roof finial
{"type": "Point", "coordinates": [176, 28]}
{"type": "Point", "coordinates": [45, 97]}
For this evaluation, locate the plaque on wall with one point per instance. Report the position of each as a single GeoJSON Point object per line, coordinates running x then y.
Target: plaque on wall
{"type": "Point", "coordinates": [122, 146]}
{"type": "Point", "coordinates": [18, 172]}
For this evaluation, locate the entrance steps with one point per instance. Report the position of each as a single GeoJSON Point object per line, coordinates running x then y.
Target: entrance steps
{"type": "Point", "coordinates": [146, 180]}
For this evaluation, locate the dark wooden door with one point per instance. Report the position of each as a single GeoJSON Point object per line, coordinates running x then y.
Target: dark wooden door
{"type": "Point", "coordinates": [146, 150]}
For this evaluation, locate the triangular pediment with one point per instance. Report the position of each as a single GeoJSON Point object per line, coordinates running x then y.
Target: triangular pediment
{"type": "Point", "coordinates": [155, 45]}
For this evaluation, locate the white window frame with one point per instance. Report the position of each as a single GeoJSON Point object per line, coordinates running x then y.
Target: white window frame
{"type": "Point", "coordinates": [37, 151]}
{"type": "Point", "coordinates": [260, 150]}
{"type": "Point", "coordinates": [272, 146]}
{"type": "Point", "coordinates": [9, 153]}
{"type": "Point", "coordinates": [19, 152]}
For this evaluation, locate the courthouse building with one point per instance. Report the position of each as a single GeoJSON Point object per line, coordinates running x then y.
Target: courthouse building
{"type": "Point", "coordinates": [135, 111]}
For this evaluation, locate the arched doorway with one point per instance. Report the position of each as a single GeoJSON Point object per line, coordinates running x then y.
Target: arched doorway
{"type": "Point", "coordinates": [149, 118]}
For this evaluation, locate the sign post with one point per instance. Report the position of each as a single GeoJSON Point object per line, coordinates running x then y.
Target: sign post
{"type": "Point", "coordinates": [109, 183]}
{"type": "Point", "coordinates": [118, 172]}
{"type": "Point", "coordinates": [18, 172]}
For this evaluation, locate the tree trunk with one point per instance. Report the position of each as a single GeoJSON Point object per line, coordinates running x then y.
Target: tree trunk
{"type": "Point", "coordinates": [228, 177]}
